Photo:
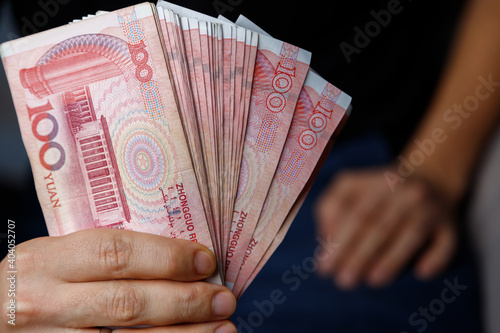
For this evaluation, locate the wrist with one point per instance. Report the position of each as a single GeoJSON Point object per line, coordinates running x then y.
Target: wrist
{"type": "Point", "coordinates": [446, 183]}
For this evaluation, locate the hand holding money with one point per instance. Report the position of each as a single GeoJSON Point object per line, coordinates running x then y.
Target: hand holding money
{"type": "Point", "coordinates": [166, 121]}
{"type": "Point", "coordinates": [106, 277]}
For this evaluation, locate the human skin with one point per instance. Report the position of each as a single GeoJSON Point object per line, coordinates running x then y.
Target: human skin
{"type": "Point", "coordinates": [115, 278]}
{"type": "Point", "coordinates": [381, 218]}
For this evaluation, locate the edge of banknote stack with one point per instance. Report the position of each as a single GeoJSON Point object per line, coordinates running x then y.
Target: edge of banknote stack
{"type": "Point", "coordinates": [160, 119]}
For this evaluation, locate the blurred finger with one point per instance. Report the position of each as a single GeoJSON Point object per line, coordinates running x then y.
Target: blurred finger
{"type": "Point", "coordinates": [370, 243]}
{"type": "Point", "coordinates": [330, 213]}
{"type": "Point", "coordinates": [355, 222]}
{"type": "Point", "coordinates": [331, 205]}
{"type": "Point", "coordinates": [406, 241]}
{"type": "Point", "coordinates": [439, 253]}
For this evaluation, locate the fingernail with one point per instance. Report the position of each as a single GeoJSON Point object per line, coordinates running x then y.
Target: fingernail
{"type": "Point", "coordinates": [346, 279]}
{"type": "Point", "coordinates": [327, 264]}
{"type": "Point", "coordinates": [228, 328]}
{"type": "Point", "coordinates": [333, 262]}
{"type": "Point", "coordinates": [424, 272]}
{"type": "Point", "coordinates": [224, 304]}
{"type": "Point", "coordinates": [377, 278]}
{"type": "Point", "coordinates": [204, 263]}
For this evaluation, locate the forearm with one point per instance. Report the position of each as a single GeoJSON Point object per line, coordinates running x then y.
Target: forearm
{"type": "Point", "coordinates": [466, 107]}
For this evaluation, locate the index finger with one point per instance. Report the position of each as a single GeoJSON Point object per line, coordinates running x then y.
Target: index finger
{"type": "Point", "coordinates": [106, 254]}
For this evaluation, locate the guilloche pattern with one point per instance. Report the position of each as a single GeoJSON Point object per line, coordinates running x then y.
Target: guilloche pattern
{"type": "Point", "coordinates": [163, 120]}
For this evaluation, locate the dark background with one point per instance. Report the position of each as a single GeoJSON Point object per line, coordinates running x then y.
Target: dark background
{"type": "Point", "coordinates": [391, 80]}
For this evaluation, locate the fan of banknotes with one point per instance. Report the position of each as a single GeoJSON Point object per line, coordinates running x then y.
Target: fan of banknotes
{"type": "Point", "coordinates": [163, 120]}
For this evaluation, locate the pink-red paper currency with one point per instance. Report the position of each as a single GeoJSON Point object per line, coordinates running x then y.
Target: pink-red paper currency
{"type": "Point", "coordinates": [280, 72]}
{"type": "Point", "coordinates": [319, 110]}
{"type": "Point", "coordinates": [167, 121]}
{"type": "Point", "coordinates": [101, 127]}
{"type": "Point", "coordinates": [295, 209]}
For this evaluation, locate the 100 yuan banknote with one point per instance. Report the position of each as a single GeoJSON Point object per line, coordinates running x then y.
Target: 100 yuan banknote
{"type": "Point", "coordinates": [100, 123]}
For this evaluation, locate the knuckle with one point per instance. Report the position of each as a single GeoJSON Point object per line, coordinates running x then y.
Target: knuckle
{"type": "Point", "coordinates": [125, 304]}
{"type": "Point", "coordinates": [24, 257]}
{"type": "Point", "coordinates": [27, 309]}
{"type": "Point", "coordinates": [28, 256]}
{"type": "Point", "coordinates": [114, 254]}
{"type": "Point", "coordinates": [420, 234]}
{"type": "Point", "coordinates": [174, 262]}
{"type": "Point", "coordinates": [24, 290]}
{"type": "Point", "coordinates": [346, 178]}
{"type": "Point", "coordinates": [190, 300]}
{"type": "Point", "coordinates": [418, 192]}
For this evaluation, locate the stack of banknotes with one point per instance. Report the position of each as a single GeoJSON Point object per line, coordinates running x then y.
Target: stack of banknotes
{"type": "Point", "coordinates": [163, 120]}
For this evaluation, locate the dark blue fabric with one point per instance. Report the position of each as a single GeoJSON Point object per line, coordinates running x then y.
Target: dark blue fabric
{"type": "Point", "coordinates": [397, 64]}
{"type": "Point", "coordinates": [312, 304]}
